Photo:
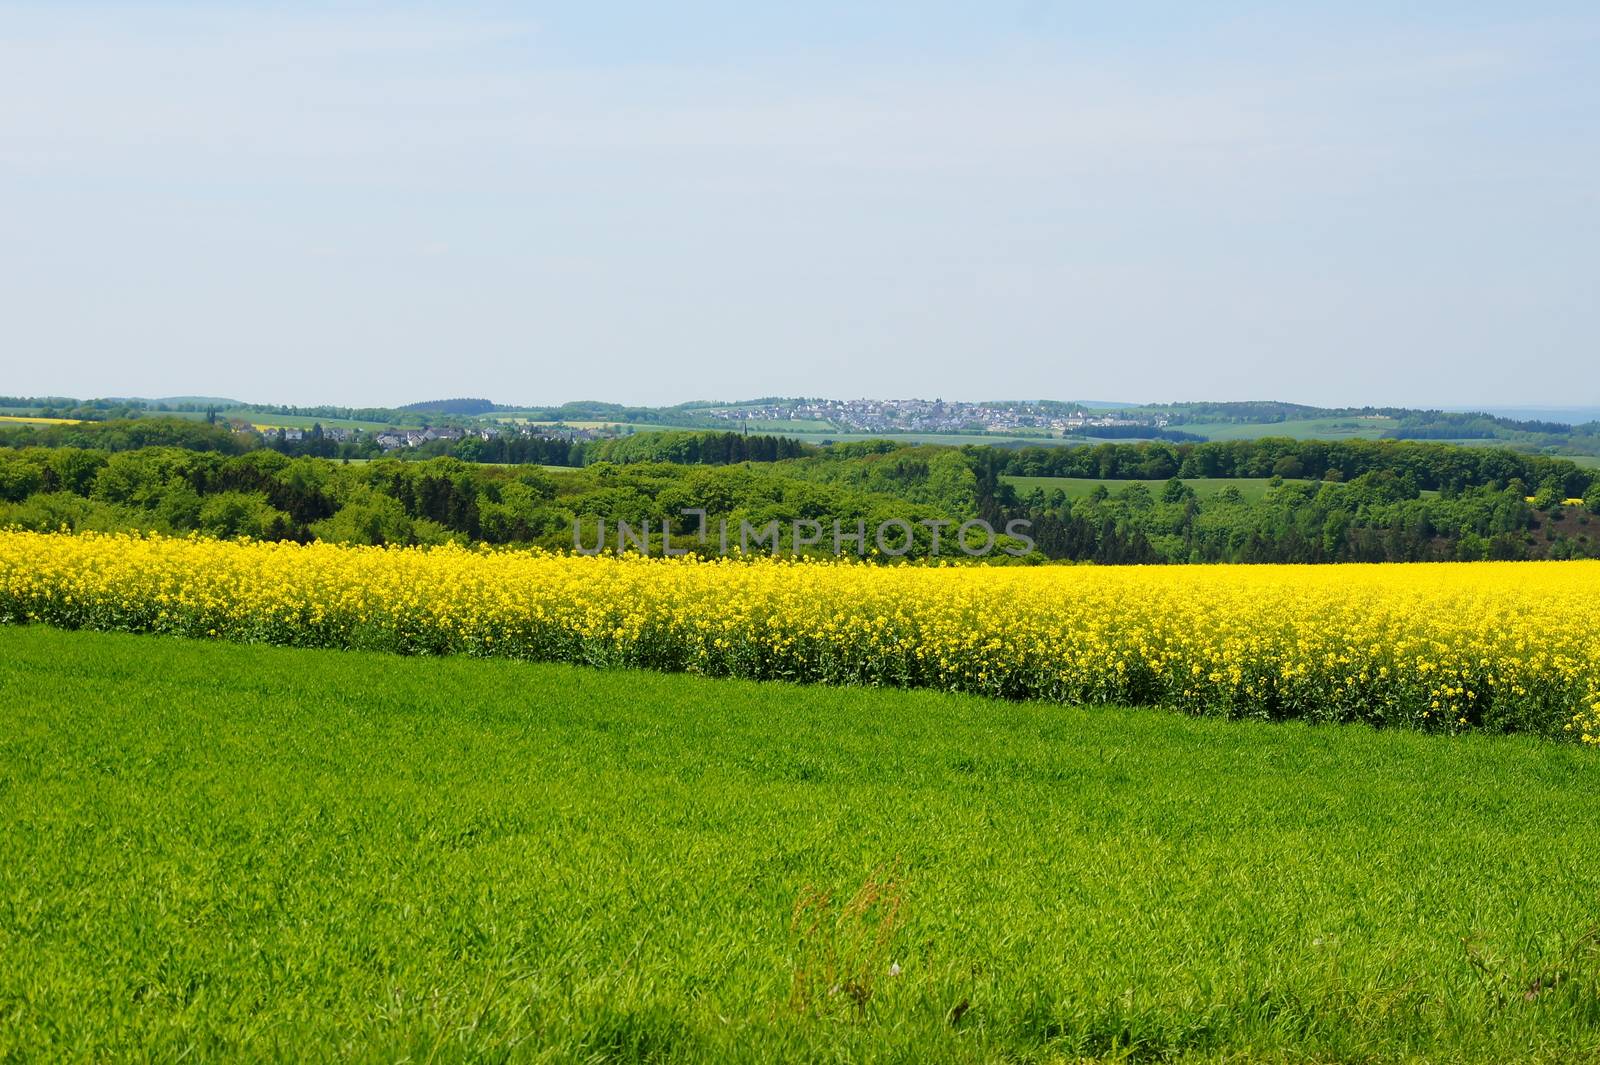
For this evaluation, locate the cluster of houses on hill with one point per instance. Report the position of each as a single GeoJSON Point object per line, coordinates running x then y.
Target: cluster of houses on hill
{"type": "Point", "coordinates": [294, 436]}
{"type": "Point", "coordinates": [398, 438]}
{"type": "Point", "coordinates": [852, 416]}
{"type": "Point", "coordinates": [922, 415]}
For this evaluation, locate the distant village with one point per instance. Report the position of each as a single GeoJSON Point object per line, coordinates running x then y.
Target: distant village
{"type": "Point", "coordinates": [844, 416]}
{"type": "Point", "coordinates": [925, 416]}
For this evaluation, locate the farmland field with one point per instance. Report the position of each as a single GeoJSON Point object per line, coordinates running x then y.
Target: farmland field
{"type": "Point", "coordinates": [223, 852]}
{"type": "Point", "coordinates": [269, 420]}
{"type": "Point", "coordinates": [773, 425]}
{"type": "Point", "coordinates": [1304, 429]}
{"type": "Point", "coordinates": [513, 418]}
{"type": "Point", "coordinates": [30, 419]}
{"type": "Point", "coordinates": [300, 421]}
{"type": "Point", "coordinates": [1436, 647]}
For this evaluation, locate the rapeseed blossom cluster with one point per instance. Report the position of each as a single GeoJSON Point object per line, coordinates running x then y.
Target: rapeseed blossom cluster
{"type": "Point", "coordinates": [1442, 647]}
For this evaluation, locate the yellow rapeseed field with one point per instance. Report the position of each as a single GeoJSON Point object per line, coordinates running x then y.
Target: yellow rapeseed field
{"type": "Point", "coordinates": [1441, 647]}
{"type": "Point", "coordinates": [28, 419]}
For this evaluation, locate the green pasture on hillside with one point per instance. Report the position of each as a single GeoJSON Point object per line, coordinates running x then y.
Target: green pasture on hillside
{"type": "Point", "coordinates": [219, 853]}
{"type": "Point", "coordinates": [514, 418]}
{"type": "Point", "coordinates": [772, 425]}
{"type": "Point", "coordinates": [299, 421]}
{"type": "Point", "coordinates": [1301, 429]}
{"type": "Point", "coordinates": [286, 421]}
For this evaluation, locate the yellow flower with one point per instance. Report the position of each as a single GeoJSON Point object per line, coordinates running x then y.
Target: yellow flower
{"type": "Point", "coordinates": [1491, 641]}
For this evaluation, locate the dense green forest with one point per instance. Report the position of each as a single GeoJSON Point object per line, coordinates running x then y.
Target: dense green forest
{"type": "Point", "coordinates": [266, 495]}
{"type": "Point", "coordinates": [1333, 501]}
{"type": "Point", "coordinates": [1378, 517]}
{"type": "Point", "coordinates": [1328, 501]}
{"type": "Point", "coordinates": [127, 434]}
{"type": "Point", "coordinates": [1429, 466]}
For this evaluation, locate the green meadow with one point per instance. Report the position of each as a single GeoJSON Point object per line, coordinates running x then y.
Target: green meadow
{"type": "Point", "coordinates": [222, 853]}
{"type": "Point", "coordinates": [1349, 428]}
{"type": "Point", "coordinates": [283, 421]}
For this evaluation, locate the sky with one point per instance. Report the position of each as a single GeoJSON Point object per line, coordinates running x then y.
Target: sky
{"type": "Point", "coordinates": [372, 204]}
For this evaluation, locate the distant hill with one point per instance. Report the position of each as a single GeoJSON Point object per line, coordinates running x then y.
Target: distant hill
{"type": "Point", "coordinates": [452, 406]}
{"type": "Point", "coordinates": [213, 401]}
{"type": "Point", "coordinates": [171, 401]}
{"type": "Point", "coordinates": [1566, 415]}
{"type": "Point", "coordinates": [1572, 429]}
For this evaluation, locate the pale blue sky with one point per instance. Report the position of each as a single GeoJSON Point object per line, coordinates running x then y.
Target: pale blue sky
{"type": "Point", "coordinates": [365, 203]}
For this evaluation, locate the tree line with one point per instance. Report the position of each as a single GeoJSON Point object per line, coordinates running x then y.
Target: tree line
{"type": "Point", "coordinates": [266, 495]}
{"type": "Point", "coordinates": [1520, 506]}
{"type": "Point", "coordinates": [1430, 466]}
{"type": "Point", "coordinates": [1378, 517]}
{"type": "Point", "coordinates": [685, 447]}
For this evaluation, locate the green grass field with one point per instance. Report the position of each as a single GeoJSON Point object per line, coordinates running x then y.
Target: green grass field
{"type": "Point", "coordinates": [297, 421]}
{"type": "Point", "coordinates": [513, 418]}
{"type": "Point", "coordinates": [1303, 429]}
{"type": "Point", "coordinates": [222, 852]}
{"type": "Point", "coordinates": [286, 421]}
{"type": "Point", "coordinates": [770, 425]}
